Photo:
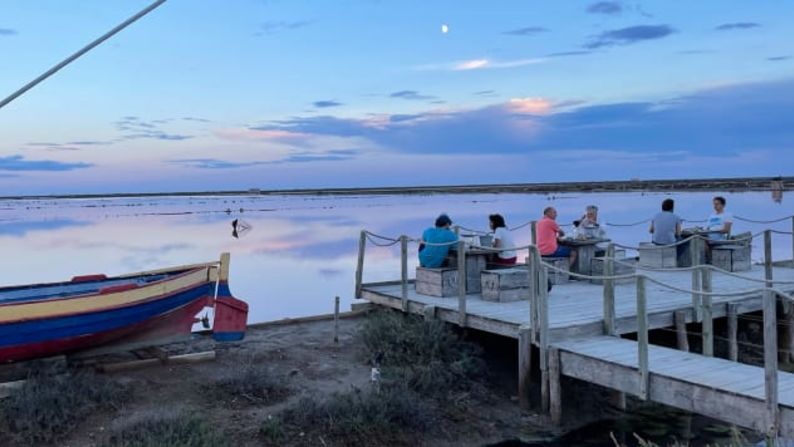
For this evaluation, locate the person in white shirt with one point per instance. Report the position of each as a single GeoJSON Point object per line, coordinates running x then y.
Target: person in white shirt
{"type": "Point", "coordinates": [720, 222]}
{"type": "Point", "coordinates": [502, 239]}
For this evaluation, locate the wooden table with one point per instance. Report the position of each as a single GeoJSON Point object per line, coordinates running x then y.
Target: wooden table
{"type": "Point", "coordinates": [585, 252]}
{"type": "Point", "coordinates": [684, 254]}
{"type": "Point", "coordinates": [476, 262]}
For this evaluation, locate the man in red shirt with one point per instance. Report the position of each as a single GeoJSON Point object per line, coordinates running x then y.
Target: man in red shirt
{"type": "Point", "coordinates": [547, 234]}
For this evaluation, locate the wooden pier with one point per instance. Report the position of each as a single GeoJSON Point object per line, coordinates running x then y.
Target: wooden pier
{"type": "Point", "coordinates": [583, 330]}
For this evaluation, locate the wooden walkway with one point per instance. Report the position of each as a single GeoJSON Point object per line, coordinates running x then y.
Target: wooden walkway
{"type": "Point", "coordinates": [575, 344]}
{"type": "Point", "coordinates": [719, 388]}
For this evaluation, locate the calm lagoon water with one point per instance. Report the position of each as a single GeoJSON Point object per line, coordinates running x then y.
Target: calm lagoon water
{"type": "Point", "coordinates": [301, 250]}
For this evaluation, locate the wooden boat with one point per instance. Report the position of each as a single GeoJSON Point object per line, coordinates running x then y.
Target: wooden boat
{"type": "Point", "coordinates": [138, 309]}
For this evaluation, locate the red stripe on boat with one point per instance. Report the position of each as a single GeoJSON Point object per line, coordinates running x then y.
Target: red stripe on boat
{"type": "Point", "coordinates": [87, 278]}
{"type": "Point", "coordinates": [119, 288]}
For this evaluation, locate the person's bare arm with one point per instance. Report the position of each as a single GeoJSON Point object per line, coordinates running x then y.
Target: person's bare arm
{"type": "Point", "coordinates": [650, 230]}
{"type": "Point", "coordinates": [727, 228]}
{"type": "Point", "coordinates": [678, 229]}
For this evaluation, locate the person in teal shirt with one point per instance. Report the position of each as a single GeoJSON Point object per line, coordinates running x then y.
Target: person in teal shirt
{"type": "Point", "coordinates": [434, 256]}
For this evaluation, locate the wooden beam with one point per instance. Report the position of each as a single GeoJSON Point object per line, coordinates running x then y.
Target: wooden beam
{"type": "Point", "coordinates": [708, 321]}
{"type": "Point", "coordinates": [336, 319]}
{"type": "Point", "coordinates": [680, 329]}
{"type": "Point", "coordinates": [544, 340]}
{"type": "Point", "coordinates": [362, 246]}
{"type": "Point", "coordinates": [532, 267]}
{"type": "Point", "coordinates": [770, 364]}
{"type": "Point", "coordinates": [642, 338]}
{"type": "Point", "coordinates": [733, 327]}
{"type": "Point", "coordinates": [429, 312]}
{"type": "Point", "coordinates": [609, 291]}
{"type": "Point", "coordinates": [194, 357]}
{"type": "Point", "coordinates": [694, 246]}
{"type": "Point", "coordinates": [555, 388]}
{"type": "Point", "coordinates": [524, 366]}
{"type": "Point", "coordinates": [461, 283]}
{"type": "Point", "coordinates": [404, 270]}
{"type": "Point", "coordinates": [768, 257]}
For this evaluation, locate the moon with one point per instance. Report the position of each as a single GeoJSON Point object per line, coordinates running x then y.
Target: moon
{"type": "Point", "coordinates": [444, 29]}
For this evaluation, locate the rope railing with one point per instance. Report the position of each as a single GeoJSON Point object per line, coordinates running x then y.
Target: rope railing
{"type": "Point", "coordinates": [744, 219]}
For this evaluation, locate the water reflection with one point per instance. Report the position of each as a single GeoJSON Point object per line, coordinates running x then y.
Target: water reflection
{"type": "Point", "coordinates": [299, 252]}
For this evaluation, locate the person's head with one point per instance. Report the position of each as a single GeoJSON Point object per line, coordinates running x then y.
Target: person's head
{"type": "Point", "coordinates": [496, 221]}
{"type": "Point", "coordinates": [550, 212]}
{"type": "Point", "coordinates": [443, 221]}
{"type": "Point", "coordinates": [668, 204]}
{"type": "Point", "coordinates": [591, 212]}
{"type": "Point", "coordinates": [719, 204]}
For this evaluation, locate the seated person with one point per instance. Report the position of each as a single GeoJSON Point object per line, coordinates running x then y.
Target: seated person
{"type": "Point", "coordinates": [588, 227]}
{"type": "Point", "coordinates": [501, 239]}
{"type": "Point", "coordinates": [666, 225]}
{"type": "Point", "coordinates": [434, 256]}
{"type": "Point", "coordinates": [547, 234]}
{"type": "Point", "coordinates": [720, 222]}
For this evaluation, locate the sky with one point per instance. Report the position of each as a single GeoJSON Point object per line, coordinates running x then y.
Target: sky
{"type": "Point", "coordinates": [278, 94]}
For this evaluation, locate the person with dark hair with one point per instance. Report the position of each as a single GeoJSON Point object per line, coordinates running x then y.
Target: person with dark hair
{"type": "Point", "coordinates": [720, 222]}
{"type": "Point", "coordinates": [666, 225]}
{"type": "Point", "coordinates": [430, 254]}
{"type": "Point", "coordinates": [502, 239]}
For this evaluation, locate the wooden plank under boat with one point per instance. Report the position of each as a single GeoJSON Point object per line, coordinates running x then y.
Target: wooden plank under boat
{"type": "Point", "coordinates": [94, 310]}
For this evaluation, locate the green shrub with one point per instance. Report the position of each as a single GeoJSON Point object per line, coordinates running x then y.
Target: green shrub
{"type": "Point", "coordinates": [356, 417]}
{"type": "Point", "coordinates": [167, 429]}
{"type": "Point", "coordinates": [49, 405]}
{"type": "Point", "coordinates": [252, 382]}
{"type": "Point", "coordinates": [428, 356]}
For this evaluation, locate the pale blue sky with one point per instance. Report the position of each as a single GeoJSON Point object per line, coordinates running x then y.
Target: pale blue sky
{"type": "Point", "coordinates": [282, 94]}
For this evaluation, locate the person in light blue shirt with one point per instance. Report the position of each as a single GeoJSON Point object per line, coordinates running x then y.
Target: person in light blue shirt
{"type": "Point", "coordinates": [434, 256]}
{"type": "Point", "coordinates": [666, 226]}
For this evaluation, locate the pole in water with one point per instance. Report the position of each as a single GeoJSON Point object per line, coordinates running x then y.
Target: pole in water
{"type": "Point", "coordinates": [79, 53]}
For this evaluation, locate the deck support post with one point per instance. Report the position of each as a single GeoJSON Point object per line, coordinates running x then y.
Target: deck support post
{"type": "Point", "coordinates": [609, 291]}
{"type": "Point", "coordinates": [642, 338]}
{"type": "Point", "coordinates": [524, 366]}
{"type": "Point", "coordinates": [223, 270]}
{"type": "Point", "coordinates": [788, 346]}
{"type": "Point", "coordinates": [768, 257]}
{"type": "Point", "coordinates": [770, 364]}
{"type": "Point", "coordinates": [555, 387]}
{"type": "Point", "coordinates": [429, 312]}
{"type": "Point", "coordinates": [733, 327]}
{"type": "Point", "coordinates": [461, 283]}
{"type": "Point", "coordinates": [680, 330]}
{"type": "Point", "coordinates": [404, 270]}
{"type": "Point", "coordinates": [543, 314]}
{"type": "Point", "coordinates": [708, 322]}
{"type": "Point", "coordinates": [694, 246]}
{"type": "Point", "coordinates": [362, 245]}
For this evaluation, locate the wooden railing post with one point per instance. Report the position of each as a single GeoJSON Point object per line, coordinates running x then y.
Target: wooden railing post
{"type": "Point", "coordinates": [533, 231]}
{"type": "Point", "coordinates": [708, 323]}
{"type": "Point", "coordinates": [336, 319]}
{"type": "Point", "coordinates": [543, 308]}
{"type": "Point", "coordinates": [456, 229]}
{"type": "Point", "coordinates": [404, 270]}
{"type": "Point", "coordinates": [697, 312]}
{"type": "Point", "coordinates": [362, 245]}
{"type": "Point", "coordinates": [642, 338]}
{"type": "Point", "coordinates": [680, 330]}
{"type": "Point", "coordinates": [532, 267]}
{"type": "Point", "coordinates": [609, 291]}
{"type": "Point", "coordinates": [770, 363]}
{"type": "Point", "coordinates": [792, 241]}
{"type": "Point", "coordinates": [768, 257]}
{"type": "Point", "coordinates": [461, 283]}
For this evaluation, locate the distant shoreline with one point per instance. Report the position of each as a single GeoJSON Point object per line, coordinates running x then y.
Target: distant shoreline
{"type": "Point", "coordinates": [636, 185]}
